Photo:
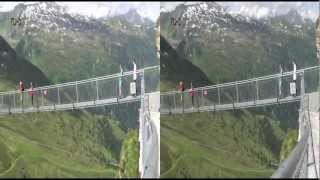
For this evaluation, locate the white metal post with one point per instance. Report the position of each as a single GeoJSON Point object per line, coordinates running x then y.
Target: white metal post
{"type": "Point", "coordinates": [42, 97]}
{"type": "Point", "coordinates": [23, 94]}
{"type": "Point", "coordinates": [174, 101]}
{"type": "Point", "coordinates": [294, 71]}
{"type": "Point", "coordinates": [77, 95]}
{"type": "Point", "coordinates": [9, 105]}
{"type": "Point", "coordinates": [302, 85]}
{"type": "Point", "coordinates": [293, 85]}
{"type": "Point", "coordinates": [119, 93]}
{"type": "Point", "coordinates": [171, 105]}
{"type": "Point", "coordinates": [141, 130]}
{"type": "Point", "coordinates": [280, 83]}
{"type": "Point", "coordinates": [219, 100]}
{"type": "Point", "coordinates": [237, 92]}
{"type": "Point", "coordinates": [202, 101]}
{"type": "Point", "coordinates": [59, 100]}
{"type": "Point", "coordinates": [257, 90]}
{"type": "Point", "coordinates": [14, 101]}
{"type": "Point", "coordinates": [134, 71]}
{"type": "Point", "coordinates": [302, 92]}
{"type": "Point", "coordinates": [97, 89]}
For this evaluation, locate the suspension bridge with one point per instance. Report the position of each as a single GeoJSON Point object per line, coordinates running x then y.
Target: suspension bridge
{"type": "Point", "coordinates": [101, 91]}
{"type": "Point", "coordinates": [263, 91]}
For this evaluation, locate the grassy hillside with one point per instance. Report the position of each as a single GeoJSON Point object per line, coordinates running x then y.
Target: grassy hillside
{"type": "Point", "coordinates": [129, 161]}
{"type": "Point", "coordinates": [58, 145]}
{"type": "Point", "coordinates": [288, 144]}
{"type": "Point", "coordinates": [65, 143]}
{"type": "Point", "coordinates": [223, 144]}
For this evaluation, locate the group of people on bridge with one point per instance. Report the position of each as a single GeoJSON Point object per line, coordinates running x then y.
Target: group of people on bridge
{"type": "Point", "coordinates": [181, 89]}
{"type": "Point", "coordinates": [31, 92]}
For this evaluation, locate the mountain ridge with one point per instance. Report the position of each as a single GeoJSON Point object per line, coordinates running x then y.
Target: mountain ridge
{"type": "Point", "coordinates": [87, 47]}
{"type": "Point", "coordinates": [210, 38]}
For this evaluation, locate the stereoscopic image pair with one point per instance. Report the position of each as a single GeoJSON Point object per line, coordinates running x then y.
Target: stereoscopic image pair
{"type": "Point", "coordinates": [159, 89]}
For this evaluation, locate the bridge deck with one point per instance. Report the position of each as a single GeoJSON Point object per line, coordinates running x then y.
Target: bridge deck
{"type": "Point", "coordinates": [236, 105]}
{"type": "Point", "coordinates": [78, 105]}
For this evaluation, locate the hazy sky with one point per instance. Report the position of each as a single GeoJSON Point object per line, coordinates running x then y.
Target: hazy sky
{"type": "Point", "coordinates": [260, 9]}
{"type": "Point", "coordinates": [98, 9]}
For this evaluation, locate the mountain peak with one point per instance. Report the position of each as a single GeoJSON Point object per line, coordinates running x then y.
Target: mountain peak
{"type": "Point", "coordinates": [206, 17]}
{"type": "Point", "coordinates": [293, 13]}
{"type": "Point", "coordinates": [133, 12]}
{"type": "Point", "coordinates": [134, 17]}
{"type": "Point", "coordinates": [47, 8]}
{"type": "Point", "coordinates": [293, 17]}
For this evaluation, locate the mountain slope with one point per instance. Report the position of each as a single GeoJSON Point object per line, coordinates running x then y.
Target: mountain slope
{"type": "Point", "coordinates": [72, 47]}
{"type": "Point", "coordinates": [222, 144]}
{"type": "Point", "coordinates": [61, 144]}
{"type": "Point", "coordinates": [195, 148]}
{"type": "Point", "coordinates": [234, 47]}
{"type": "Point", "coordinates": [14, 68]}
{"type": "Point", "coordinates": [223, 48]}
{"type": "Point", "coordinates": [175, 69]}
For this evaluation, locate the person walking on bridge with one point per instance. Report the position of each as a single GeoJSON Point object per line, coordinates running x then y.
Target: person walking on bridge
{"type": "Point", "coordinates": [192, 92]}
{"type": "Point", "coordinates": [181, 89]}
{"type": "Point", "coordinates": [21, 89]}
{"type": "Point", "coordinates": [31, 93]}
{"type": "Point", "coordinates": [45, 93]}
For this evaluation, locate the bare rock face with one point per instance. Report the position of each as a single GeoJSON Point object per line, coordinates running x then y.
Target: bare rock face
{"type": "Point", "coordinates": [318, 51]}
{"type": "Point", "coordinates": [158, 38]}
{"type": "Point", "coordinates": [318, 38]}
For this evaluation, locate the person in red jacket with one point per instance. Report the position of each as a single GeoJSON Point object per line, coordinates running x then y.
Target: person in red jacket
{"type": "Point", "coordinates": [31, 93]}
{"type": "Point", "coordinates": [205, 92]}
{"type": "Point", "coordinates": [192, 93]}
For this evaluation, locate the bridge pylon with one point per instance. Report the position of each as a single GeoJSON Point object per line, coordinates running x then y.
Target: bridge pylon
{"type": "Point", "coordinates": [301, 110]}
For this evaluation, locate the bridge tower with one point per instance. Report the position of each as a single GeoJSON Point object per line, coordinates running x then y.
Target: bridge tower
{"type": "Point", "coordinates": [141, 130]}
{"type": "Point", "coordinates": [149, 133]}
{"type": "Point", "coordinates": [301, 110]}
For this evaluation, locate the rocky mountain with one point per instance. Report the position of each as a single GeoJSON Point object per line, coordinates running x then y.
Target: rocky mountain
{"type": "Point", "coordinates": [230, 47]}
{"type": "Point", "coordinates": [133, 17]}
{"type": "Point", "coordinates": [14, 68]}
{"type": "Point", "coordinates": [48, 36]}
{"type": "Point", "coordinates": [175, 69]}
{"type": "Point", "coordinates": [48, 16]}
{"type": "Point", "coordinates": [210, 17]}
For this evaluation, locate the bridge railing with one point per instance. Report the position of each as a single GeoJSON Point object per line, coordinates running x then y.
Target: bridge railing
{"type": "Point", "coordinates": [89, 90]}
{"type": "Point", "coordinates": [245, 93]}
{"type": "Point", "coordinates": [295, 165]}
